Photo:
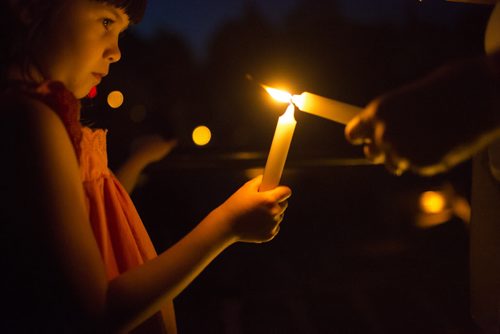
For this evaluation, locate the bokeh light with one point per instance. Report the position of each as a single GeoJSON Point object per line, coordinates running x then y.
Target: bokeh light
{"type": "Point", "coordinates": [201, 135]}
{"type": "Point", "coordinates": [432, 202]}
{"type": "Point", "coordinates": [115, 99]}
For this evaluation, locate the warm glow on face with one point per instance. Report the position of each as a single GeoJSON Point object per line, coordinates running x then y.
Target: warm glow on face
{"type": "Point", "coordinates": [201, 135]}
{"type": "Point", "coordinates": [278, 95]}
{"type": "Point", "coordinates": [115, 99]}
{"type": "Point", "coordinates": [432, 202]}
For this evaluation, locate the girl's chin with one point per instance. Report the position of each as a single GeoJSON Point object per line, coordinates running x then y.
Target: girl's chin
{"type": "Point", "coordinates": [84, 92]}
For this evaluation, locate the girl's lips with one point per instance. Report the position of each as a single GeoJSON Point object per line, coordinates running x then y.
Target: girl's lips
{"type": "Point", "coordinates": [98, 76]}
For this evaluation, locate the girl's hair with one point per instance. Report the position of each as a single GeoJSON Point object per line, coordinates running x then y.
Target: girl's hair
{"type": "Point", "coordinates": [134, 8]}
{"type": "Point", "coordinates": [17, 38]}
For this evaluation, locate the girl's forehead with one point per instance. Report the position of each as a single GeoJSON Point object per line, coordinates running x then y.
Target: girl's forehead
{"type": "Point", "coordinates": [119, 12]}
{"type": "Point", "coordinates": [109, 5]}
{"type": "Point", "coordinates": [134, 9]}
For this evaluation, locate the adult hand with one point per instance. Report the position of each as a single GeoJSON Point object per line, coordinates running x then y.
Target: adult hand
{"type": "Point", "coordinates": [433, 124]}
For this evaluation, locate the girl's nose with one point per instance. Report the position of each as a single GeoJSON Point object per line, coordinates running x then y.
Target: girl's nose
{"type": "Point", "coordinates": [113, 54]}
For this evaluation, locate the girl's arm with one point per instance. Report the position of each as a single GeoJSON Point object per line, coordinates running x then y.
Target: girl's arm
{"type": "Point", "coordinates": [246, 216]}
{"type": "Point", "coordinates": [53, 177]}
{"type": "Point", "coordinates": [129, 299]}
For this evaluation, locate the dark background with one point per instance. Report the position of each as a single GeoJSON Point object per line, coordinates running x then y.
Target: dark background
{"type": "Point", "coordinates": [350, 257]}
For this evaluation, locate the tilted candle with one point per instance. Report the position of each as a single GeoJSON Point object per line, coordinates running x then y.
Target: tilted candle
{"type": "Point", "coordinates": [279, 150]}
{"type": "Point", "coordinates": [307, 102]}
{"type": "Point", "coordinates": [327, 108]}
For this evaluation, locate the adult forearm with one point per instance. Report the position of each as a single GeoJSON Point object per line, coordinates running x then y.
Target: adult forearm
{"type": "Point", "coordinates": [493, 73]}
{"type": "Point", "coordinates": [494, 62]}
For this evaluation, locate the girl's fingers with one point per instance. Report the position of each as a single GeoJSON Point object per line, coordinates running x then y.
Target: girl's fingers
{"type": "Point", "coordinates": [275, 232]}
{"type": "Point", "coordinates": [280, 194]}
{"type": "Point", "coordinates": [279, 218]}
{"type": "Point", "coordinates": [283, 205]}
{"type": "Point", "coordinates": [254, 183]}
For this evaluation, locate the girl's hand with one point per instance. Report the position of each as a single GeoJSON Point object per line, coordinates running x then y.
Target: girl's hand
{"type": "Point", "coordinates": [253, 216]}
{"type": "Point", "coordinates": [152, 148]}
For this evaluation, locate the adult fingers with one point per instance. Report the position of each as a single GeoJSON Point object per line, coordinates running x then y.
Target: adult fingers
{"type": "Point", "coordinates": [395, 164]}
{"type": "Point", "coordinates": [397, 167]}
{"type": "Point", "coordinates": [359, 131]}
{"type": "Point", "coordinates": [374, 153]}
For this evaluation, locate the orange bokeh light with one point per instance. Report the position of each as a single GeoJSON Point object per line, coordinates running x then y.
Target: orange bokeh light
{"type": "Point", "coordinates": [432, 202]}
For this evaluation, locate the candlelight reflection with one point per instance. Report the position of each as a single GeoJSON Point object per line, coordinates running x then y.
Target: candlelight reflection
{"type": "Point", "coordinates": [432, 202]}
{"type": "Point", "coordinates": [440, 206]}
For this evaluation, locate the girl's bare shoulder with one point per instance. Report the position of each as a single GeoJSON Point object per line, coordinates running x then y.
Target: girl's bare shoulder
{"type": "Point", "coordinates": [21, 107]}
{"type": "Point", "coordinates": [32, 133]}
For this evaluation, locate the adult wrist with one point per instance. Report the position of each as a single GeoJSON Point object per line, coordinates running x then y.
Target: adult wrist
{"type": "Point", "coordinates": [493, 62]}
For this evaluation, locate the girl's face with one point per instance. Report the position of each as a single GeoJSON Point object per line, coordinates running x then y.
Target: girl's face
{"type": "Point", "coordinates": [81, 43]}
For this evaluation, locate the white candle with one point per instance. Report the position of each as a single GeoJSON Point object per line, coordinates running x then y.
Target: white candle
{"type": "Point", "coordinates": [327, 108]}
{"type": "Point", "coordinates": [279, 150]}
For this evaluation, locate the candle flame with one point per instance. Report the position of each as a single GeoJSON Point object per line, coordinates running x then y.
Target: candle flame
{"type": "Point", "coordinates": [298, 100]}
{"type": "Point", "coordinates": [279, 95]}
{"type": "Point", "coordinates": [288, 116]}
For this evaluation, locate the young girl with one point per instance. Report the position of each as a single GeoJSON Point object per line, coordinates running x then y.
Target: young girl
{"type": "Point", "coordinates": [75, 255]}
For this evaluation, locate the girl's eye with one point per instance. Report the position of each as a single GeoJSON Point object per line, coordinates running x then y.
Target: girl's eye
{"type": "Point", "coordinates": [107, 22]}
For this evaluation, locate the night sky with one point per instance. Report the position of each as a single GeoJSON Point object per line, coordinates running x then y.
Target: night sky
{"type": "Point", "coordinates": [196, 20]}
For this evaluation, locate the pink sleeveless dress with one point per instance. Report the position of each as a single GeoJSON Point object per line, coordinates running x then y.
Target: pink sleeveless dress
{"type": "Point", "coordinates": [121, 236]}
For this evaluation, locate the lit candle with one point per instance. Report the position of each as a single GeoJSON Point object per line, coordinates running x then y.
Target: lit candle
{"type": "Point", "coordinates": [279, 150]}
{"type": "Point", "coordinates": [307, 102]}
{"type": "Point", "coordinates": [327, 108]}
